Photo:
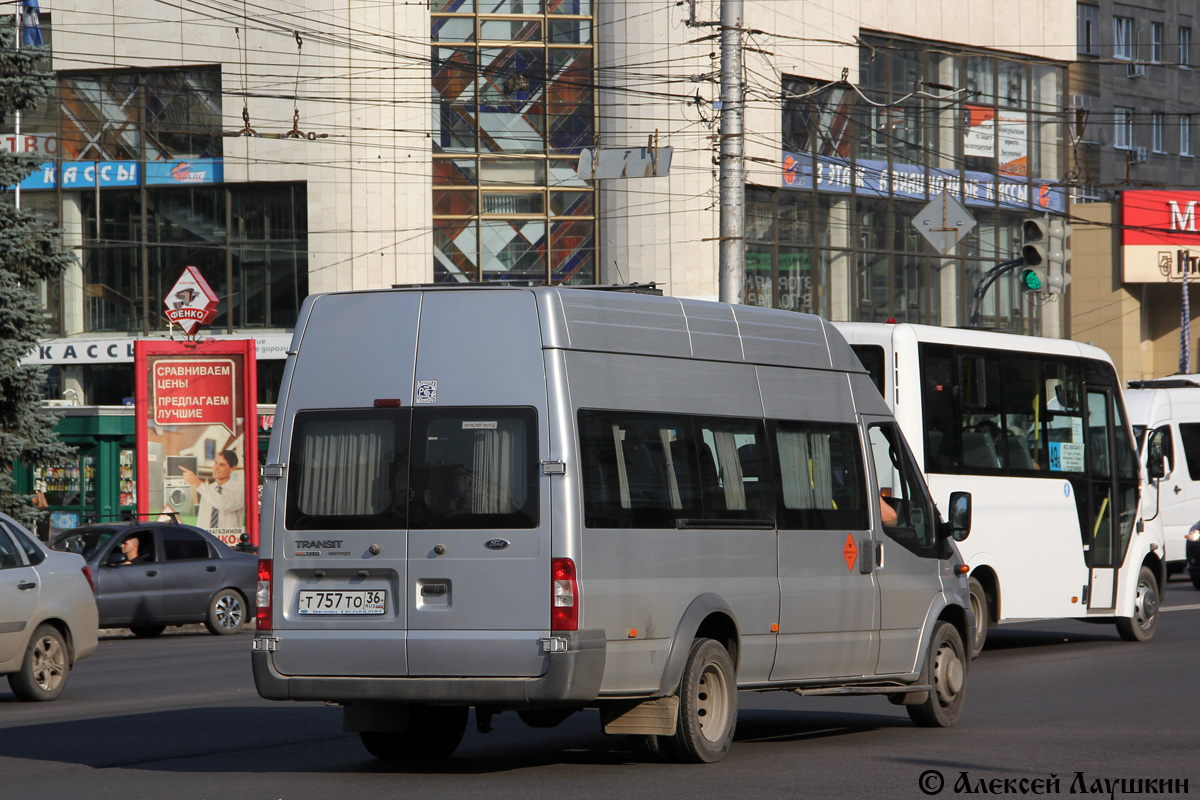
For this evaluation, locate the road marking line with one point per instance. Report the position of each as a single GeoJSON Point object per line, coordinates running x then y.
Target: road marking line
{"type": "Point", "coordinates": [1192, 607]}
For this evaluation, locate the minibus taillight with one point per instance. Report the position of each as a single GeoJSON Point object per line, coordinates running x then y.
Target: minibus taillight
{"type": "Point", "coordinates": [262, 596]}
{"type": "Point", "coordinates": [564, 604]}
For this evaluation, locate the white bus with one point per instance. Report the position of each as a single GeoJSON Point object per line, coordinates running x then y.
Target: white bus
{"type": "Point", "coordinates": [1036, 430]}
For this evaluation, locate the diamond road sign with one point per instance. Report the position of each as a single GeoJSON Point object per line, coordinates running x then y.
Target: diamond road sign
{"type": "Point", "coordinates": [944, 222]}
{"type": "Point", "coordinates": [191, 302]}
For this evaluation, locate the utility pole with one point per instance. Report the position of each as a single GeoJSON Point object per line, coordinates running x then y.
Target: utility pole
{"type": "Point", "coordinates": [732, 252]}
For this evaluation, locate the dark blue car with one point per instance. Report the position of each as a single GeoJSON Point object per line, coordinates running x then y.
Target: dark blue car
{"type": "Point", "coordinates": [153, 574]}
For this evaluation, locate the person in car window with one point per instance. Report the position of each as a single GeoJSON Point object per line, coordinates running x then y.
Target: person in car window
{"type": "Point", "coordinates": [131, 547]}
{"type": "Point", "coordinates": [222, 500]}
{"type": "Point", "coordinates": [887, 513]}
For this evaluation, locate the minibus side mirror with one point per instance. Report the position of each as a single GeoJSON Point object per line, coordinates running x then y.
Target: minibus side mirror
{"type": "Point", "coordinates": [960, 515]}
{"type": "Point", "coordinates": [1156, 466]}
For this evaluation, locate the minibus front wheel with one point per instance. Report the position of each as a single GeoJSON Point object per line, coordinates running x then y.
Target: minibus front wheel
{"type": "Point", "coordinates": [945, 672]}
{"type": "Point", "coordinates": [1141, 626]}
{"type": "Point", "coordinates": [707, 705]}
{"type": "Point", "coordinates": [979, 606]}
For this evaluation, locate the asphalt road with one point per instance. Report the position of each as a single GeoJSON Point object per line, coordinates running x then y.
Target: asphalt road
{"type": "Point", "coordinates": [178, 717]}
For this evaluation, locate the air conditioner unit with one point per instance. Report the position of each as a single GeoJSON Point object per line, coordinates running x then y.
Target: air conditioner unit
{"type": "Point", "coordinates": [1137, 155]}
{"type": "Point", "coordinates": [1136, 70]}
{"type": "Point", "coordinates": [1084, 102]}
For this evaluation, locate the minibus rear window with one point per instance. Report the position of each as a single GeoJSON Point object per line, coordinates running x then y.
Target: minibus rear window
{"type": "Point", "coordinates": [348, 470]}
{"type": "Point", "coordinates": [474, 468]}
{"type": "Point", "coordinates": [396, 468]}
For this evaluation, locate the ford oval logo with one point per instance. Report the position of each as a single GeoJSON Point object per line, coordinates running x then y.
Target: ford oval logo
{"type": "Point", "coordinates": [496, 544]}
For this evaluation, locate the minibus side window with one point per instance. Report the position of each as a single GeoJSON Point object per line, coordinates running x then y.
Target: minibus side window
{"type": "Point", "coordinates": [1064, 441]}
{"type": "Point", "coordinates": [638, 471]}
{"type": "Point", "coordinates": [874, 359]}
{"type": "Point", "coordinates": [1023, 414]}
{"type": "Point", "coordinates": [474, 468]}
{"type": "Point", "coordinates": [984, 436]}
{"type": "Point", "coordinates": [349, 470]}
{"type": "Point", "coordinates": [940, 406]}
{"type": "Point", "coordinates": [736, 480]}
{"type": "Point", "coordinates": [1189, 435]}
{"type": "Point", "coordinates": [900, 488]}
{"type": "Point", "coordinates": [822, 482]}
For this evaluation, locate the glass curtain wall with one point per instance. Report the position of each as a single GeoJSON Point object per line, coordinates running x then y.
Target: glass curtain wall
{"type": "Point", "coordinates": [512, 109]}
{"type": "Point", "coordinates": [140, 116]}
{"type": "Point", "coordinates": [857, 253]}
{"type": "Point", "coordinates": [186, 226]}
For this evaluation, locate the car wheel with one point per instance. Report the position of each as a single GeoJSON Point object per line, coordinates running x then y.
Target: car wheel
{"type": "Point", "coordinates": [979, 605]}
{"type": "Point", "coordinates": [707, 705]}
{"type": "Point", "coordinates": [433, 734]}
{"type": "Point", "coordinates": [1140, 627]}
{"type": "Point", "coordinates": [147, 631]}
{"type": "Point", "coordinates": [43, 673]}
{"type": "Point", "coordinates": [945, 672]}
{"type": "Point", "coordinates": [226, 612]}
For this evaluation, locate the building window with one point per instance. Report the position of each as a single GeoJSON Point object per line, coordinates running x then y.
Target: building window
{"type": "Point", "coordinates": [1185, 135]}
{"type": "Point", "coordinates": [1089, 17]}
{"type": "Point", "coordinates": [1156, 42]}
{"type": "Point", "coordinates": [1123, 135]}
{"type": "Point", "coordinates": [1185, 47]}
{"type": "Point", "coordinates": [513, 107]}
{"type": "Point", "coordinates": [1156, 131]}
{"type": "Point", "coordinates": [268, 246]}
{"type": "Point", "coordinates": [779, 251]}
{"type": "Point", "coordinates": [1123, 38]}
{"type": "Point", "coordinates": [141, 116]}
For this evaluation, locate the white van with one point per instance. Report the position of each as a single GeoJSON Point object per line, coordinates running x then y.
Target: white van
{"type": "Point", "coordinates": [1165, 414]}
{"type": "Point", "coordinates": [543, 500]}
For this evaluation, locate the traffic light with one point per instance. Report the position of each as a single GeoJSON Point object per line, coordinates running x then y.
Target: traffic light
{"type": "Point", "coordinates": [1057, 277]}
{"type": "Point", "coordinates": [1032, 280]}
{"type": "Point", "coordinates": [1044, 251]}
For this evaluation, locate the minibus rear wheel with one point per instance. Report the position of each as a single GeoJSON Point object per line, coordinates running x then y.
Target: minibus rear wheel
{"type": "Point", "coordinates": [434, 733]}
{"type": "Point", "coordinates": [945, 672]}
{"type": "Point", "coordinates": [707, 705]}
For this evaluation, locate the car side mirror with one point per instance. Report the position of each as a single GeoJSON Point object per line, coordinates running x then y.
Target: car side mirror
{"type": "Point", "coordinates": [117, 558]}
{"type": "Point", "coordinates": [960, 515]}
{"type": "Point", "coordinates": [1156, 466]}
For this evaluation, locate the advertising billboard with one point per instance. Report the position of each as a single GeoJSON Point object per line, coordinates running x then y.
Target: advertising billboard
{"type": "Point", "coordinates": [197, 437]}
{"type": "Point", "coordinates": [1159, 236]}
{"type": "Point", "coordinates": [1004, 133]}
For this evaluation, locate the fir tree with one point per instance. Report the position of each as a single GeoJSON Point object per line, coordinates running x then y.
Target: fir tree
{"type": "Point", "coordinates": [30, 252]}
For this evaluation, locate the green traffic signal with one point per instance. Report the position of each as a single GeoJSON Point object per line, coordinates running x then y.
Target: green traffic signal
{"type": "Point", "coordinates": [1044, 251]}
{"type": "Point", "coordinates": [1031, 280]}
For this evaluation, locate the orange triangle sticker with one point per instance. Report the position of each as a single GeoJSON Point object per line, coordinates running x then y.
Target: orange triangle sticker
{"type": "Point", "coordinates": [850, 551]}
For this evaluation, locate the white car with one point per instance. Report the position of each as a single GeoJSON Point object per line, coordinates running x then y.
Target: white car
{"type": "Point", "coordinates": [48, 617]}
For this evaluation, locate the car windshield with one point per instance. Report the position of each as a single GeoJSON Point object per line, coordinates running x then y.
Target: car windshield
{"type": "Point", "coordinates": [85, 542]}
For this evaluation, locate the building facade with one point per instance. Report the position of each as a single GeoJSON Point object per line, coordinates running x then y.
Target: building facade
{"type": "Point", "coordinates": [292, 149]}
{"type": "Point", "coordinates": [1133, 93]}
